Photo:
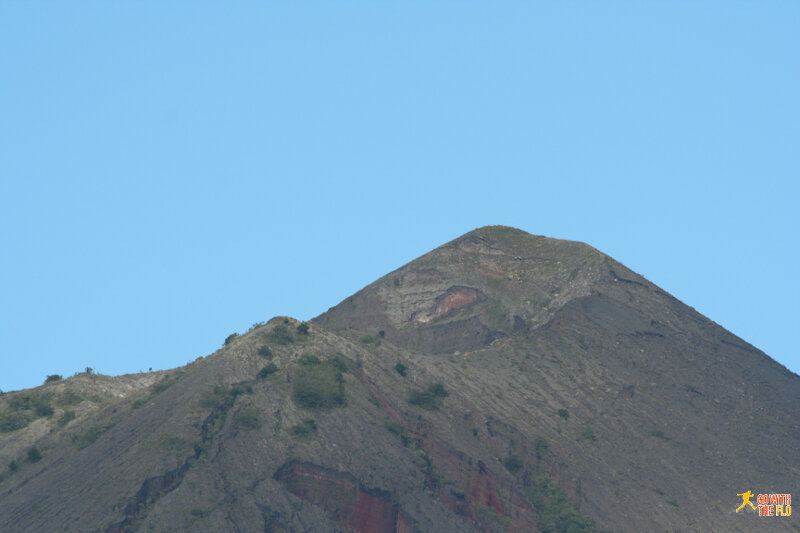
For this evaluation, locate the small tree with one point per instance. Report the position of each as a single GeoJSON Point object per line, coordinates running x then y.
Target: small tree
{"type": "Point", "coordinates": [281, 335]}
{"type": "Point", "coordinates": [267, 371]}
{"type": "Point", "coordinates": [265, 352]}
{"type": "Point", "coordinates": [34, 455]}
{"type": "Point", "coordinates": [53, 377]}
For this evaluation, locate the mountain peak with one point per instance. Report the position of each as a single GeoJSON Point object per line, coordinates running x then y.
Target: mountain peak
{"type": "Point", "coordinates": [501, 382]}
{"type": "Point", "coordinates": [492, 282]}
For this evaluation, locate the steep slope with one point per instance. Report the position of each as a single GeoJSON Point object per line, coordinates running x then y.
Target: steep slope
{"type": "Point", "coordinates": [501, 382]}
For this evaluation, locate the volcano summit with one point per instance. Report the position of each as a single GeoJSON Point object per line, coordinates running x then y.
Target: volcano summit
{"type": "Point", "coordinates": [501, 382]}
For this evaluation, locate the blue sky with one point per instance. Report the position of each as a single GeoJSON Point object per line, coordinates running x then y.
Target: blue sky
{"type": "Point", "coordinates": [172, 173]}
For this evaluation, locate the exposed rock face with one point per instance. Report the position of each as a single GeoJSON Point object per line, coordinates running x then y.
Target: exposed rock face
{"type": "Point", "coordinates": [502, 382]}
{"type": "Point", "coordinates": [452, 299]}
{"type": "Point", "coordinates": [361, 509]}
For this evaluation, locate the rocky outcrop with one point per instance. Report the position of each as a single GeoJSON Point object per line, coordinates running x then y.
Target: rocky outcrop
{"type": "Point", "coordinates": [344, 499]}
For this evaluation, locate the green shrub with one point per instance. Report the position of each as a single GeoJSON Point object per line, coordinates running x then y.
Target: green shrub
{"type": "Point", "coordinates": [398, 429]}
{"type": "Point", "coordinates": [513, 463]}
{"type": "Point", "coordinates": [381, 334]}
{"type": "Point", "coordinates": [657, 433]}
{"type": "Point", "coordinates": [165, 383]}
{"type": "Point", "coordinates": [305, 430]}
{"type": "Point", "coordinates": [281, 335]}
{"type": "Point", "coordinates": [437, 389]}
{"type": "Point", "coordinates": [309, 360]}
{"type": "Point", "coordinates": [139, 403]}
{"type": "Point", "coordinates": [541, 447]}
{"type": "Point", "coordinates": [230, 338]}
{"type": "Point", "coordinates": [41, 403]}
{"type": "Point", "coordinates": [430, 399]}
{"type": "Point", "coordinates": [13, 466]}
{"type": "Point", "coordinates": [265, 352]}
{"type": "Point", "coordinates": [400, 368]}
{"type": "Point", "coordinates": [223, 397]}
{"type": "Point", "coordinates": [318, 385]}
{"type": "Point", "coordinates": [267, 371]}
{"type": "Point", "coordinates": [588, 434]}
{"type": "Point", "coordinates": [302, 329]}
{"type": "Point", "coordinates": [69, 398]}
{"type": "Point", "coordinates": [557, 514]}
{"type": "Point", "coordinates": [563, 413]}
{"type": "Point", "coordinates": [248, 419]}
{"type": "Point", "coordinates": [338, 363]}
{"type": "Point", "coordinates": [24, 408]}
{"type": "Point", "coordinates": [14, 420]}
{"type": "Point", "coordinates": [53, 377]}
{"type": "Point", "coordinates": [433, 478]}
{"type": "Point", "coordinates": [82, 440]}
{"type": "Point", "coordinates": [34, 455]}
{"type": "Point", "coordinates": [66, 418]}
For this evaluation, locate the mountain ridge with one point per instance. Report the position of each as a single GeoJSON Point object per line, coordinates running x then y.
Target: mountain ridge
{"type": "Point", "coordinates": [502, 381]}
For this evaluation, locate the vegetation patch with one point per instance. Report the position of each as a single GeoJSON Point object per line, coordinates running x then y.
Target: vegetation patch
{"type": "Point", "coordinates": [657, 433]}
{"type": "Point", "coordinates": [431, 399]}
{"type": "Point", "coordinates": [268, 370]}
{"type": "Point", "coordinates": [318, 384]}
{"type": "Point", "coordinates": [24, 408]}
{"type": "Point", "coordinates": [557, 514]}
{"type": "Point", "coordinates": [281, 335]}
{"type": "Point", "coordinates": [14, 420]}
{"type": "Point", "coordinates": [222, 397]}
{"type": "Point", "coordinates": [69, 397]}
{"type": "Point", "coordinates": [248, 419]}
{"type": "Point", "coordinates": [433, 478]}
{"type": "Point", "coordinates": [401, 369]}
{"type": "Point", "coordinates": [66, 418]}
{"type": "Point", "coordinates": [33, 455]}
{"type": "Point", "coordinates": [157, 388]}
{"type": "Point", "coordinates": [302, 329]}
{"type": "Point", "coordinates": [88, 437]}
{"type": "Point", "coordinates": [230, 338]}
{"type": "Point", "coordinates": [513, 463]}
{"type": "Point", "coordinates": [305, 430]}
{"type": "Point", "coordinates": [53, 377]}
{"type": "Point", "coordinates": [165, 383]}
{"type": "Point", "coordinates": [563, 413]}
{"type": "Point", "coordinates": [587, 434]}
{"type": "Point", "coordinates": [265, 352]}
{"type": "Point", "coordinates": [541, 447]}
{"type": "Point", "coordinates": [490, 514]}
{"type": "Point", "coordinates": [398, 429]}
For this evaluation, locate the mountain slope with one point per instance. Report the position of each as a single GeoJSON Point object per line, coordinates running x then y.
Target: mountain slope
{"type": "Point", "coordinates": [501, 382]}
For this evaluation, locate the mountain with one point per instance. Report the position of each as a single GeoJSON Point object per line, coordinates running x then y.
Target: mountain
{"type": "Point", "coordinates": [502, 382]}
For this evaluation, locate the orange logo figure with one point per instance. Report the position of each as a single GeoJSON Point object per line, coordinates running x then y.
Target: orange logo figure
{"type": "Point", "coordinates": [746, 500]}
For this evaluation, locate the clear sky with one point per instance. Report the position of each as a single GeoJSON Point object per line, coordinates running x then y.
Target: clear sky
{"type": "Point", "coordinates": [172, 172]}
